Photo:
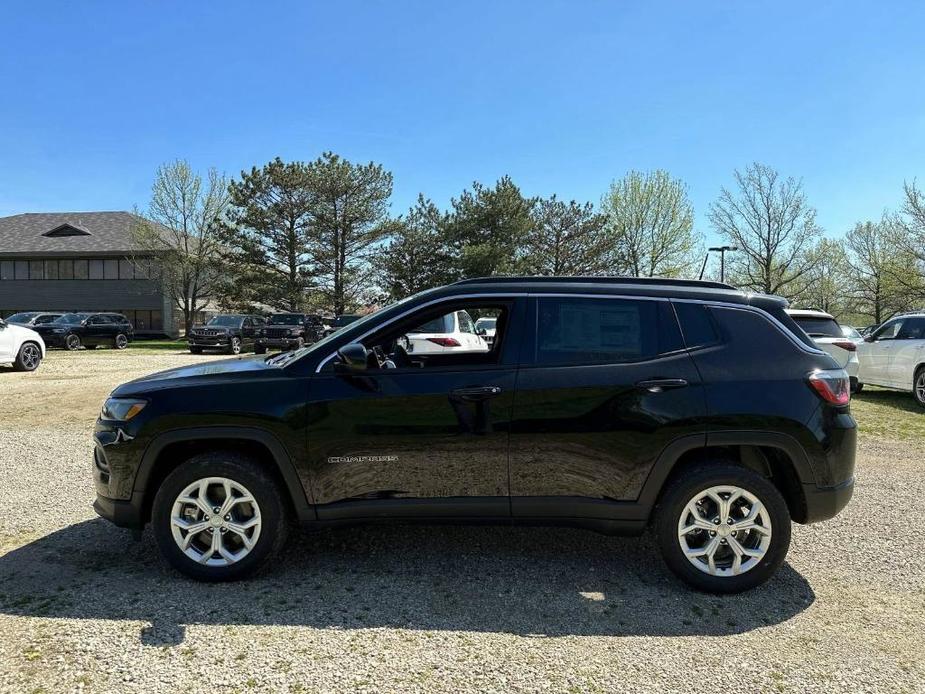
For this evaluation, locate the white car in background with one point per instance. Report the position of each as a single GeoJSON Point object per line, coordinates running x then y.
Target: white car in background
{"type": "Point", "coordinates": [830, 337]}
{"type": "Point", "coordinates": [454, 332]}
{"type": "Point", "coordinates": [486, 327]}
{"type": "Point", "coordinates": [893, 355]}
{"type": "Point", "coordinates": [22, 347]}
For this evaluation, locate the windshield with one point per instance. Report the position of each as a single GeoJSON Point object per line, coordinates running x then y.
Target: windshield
{"type": "Point", "coordinates": [72, 318]}
{"type": "Point", "coordinates": [286, 319]}
{"type": "Point", "coordinates": [231, 321]}
{"type": "Point", "coordinates": [21, 317]}
{"type": "Point", "coordinates": [486, 323]}
{"type": "Point", "coordinates": [818, 327]}
{"type": "Point", "coordinates": [848, 331]}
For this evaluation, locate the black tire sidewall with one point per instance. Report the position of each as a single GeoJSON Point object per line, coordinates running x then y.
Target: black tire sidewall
{"type": "Point", "coordinates": [915, 380]}
{"type": "Point", "coordinates": [69, 339]}
{"type": "Point", "coordinates": [19, 364]}
{"type": "Point", "coordinates": [115, 341]}
{"type": "Point", "coordinates": [243, 470]}
{"type": "Point", "coordinates": [683, 488]}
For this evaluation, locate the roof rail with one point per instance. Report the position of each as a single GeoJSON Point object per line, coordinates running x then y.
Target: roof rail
{"type": "Point", "coordinates": [702, 284]}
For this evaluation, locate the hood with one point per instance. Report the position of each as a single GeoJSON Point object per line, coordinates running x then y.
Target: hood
{"type": "Point", "coordinates": [239, 367]}
{"type": "Point", "coordinates": [20, 332]}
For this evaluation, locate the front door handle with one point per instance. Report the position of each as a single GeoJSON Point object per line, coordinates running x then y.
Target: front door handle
{"type": "Point", "coordinates": [657, 385]}
{"type": "Point", "coordinates": [477, 393]}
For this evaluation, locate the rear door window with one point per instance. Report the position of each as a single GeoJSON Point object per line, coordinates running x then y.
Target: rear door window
{"type": "Point", "coordinates": [575, 330]}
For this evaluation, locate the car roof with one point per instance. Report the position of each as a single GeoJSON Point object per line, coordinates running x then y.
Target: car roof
{"type": "Point", "coordinates": [808, 313]}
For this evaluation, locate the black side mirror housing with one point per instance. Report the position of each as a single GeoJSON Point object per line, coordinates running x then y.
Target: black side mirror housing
{"type": "Point", "coordinates": [352, 358]}
{"type": "Point", "coordinates": [868, 338]}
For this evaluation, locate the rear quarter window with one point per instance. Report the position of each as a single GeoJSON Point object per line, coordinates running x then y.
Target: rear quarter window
{"type": "Point", "coordinates": [697, 324]}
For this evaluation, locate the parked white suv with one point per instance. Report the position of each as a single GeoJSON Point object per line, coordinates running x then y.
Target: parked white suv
{"type": "Point", "coordinates": [830, 337]}
{"type": "Point", "coordinates": [21, 347]}
{"type": "Point", "coordinates": [454, 332]}
{"type": "Point", "coordinates": [893, 355]}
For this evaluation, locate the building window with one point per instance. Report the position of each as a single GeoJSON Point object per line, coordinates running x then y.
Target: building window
{"type": "Point", "coordinates": [110, 269]}
{"type": "Point", "coordinates": [51, 269]}
{"type": "Point", "coordinates": [66, 270]}
{"type": "Point", "coordinates": [36, 269]}
{"type": "Point", "coordinates": [126, 270]}
{"type": "Point", "coordinates": [6, 270]}
{"type": "Point", "coordinates": [157, 322]}
{"type": "Point", "coordinates": [141, 270]}
{"type": "Point", "coordinates": [96, 269]}
{"type": "Point", "coordinates": [22, 269]}
{"type": "Point", "coordinates": [81, 269]}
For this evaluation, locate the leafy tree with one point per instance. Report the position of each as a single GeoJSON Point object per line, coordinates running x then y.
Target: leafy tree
{"type": "Point", "coordinates": [772, 224]}
{"type": "Point", "coordinates": [348, 211]}
{"type": "Point", "coordinates": [416, 257]}
{"type": "Point", "coordinates": [908, 236]}
{"type": "Point", "coordinates": [487, 229]}
{"type": "Point", "coordinates": [826, 285]}
{"type": "Point", "coordinates": [650, 225]}
{"type": "Point", "coordinates": [266, 240]}
{"type": "Point", "coordinates": [567, 239]}
{"type": "Point", "coordinates": [181, 228]}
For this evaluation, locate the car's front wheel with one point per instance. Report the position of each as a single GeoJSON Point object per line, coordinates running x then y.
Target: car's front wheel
{"type": "Point", "coordinates": [219, 517]}
{"type": "Point", "coordinates": [120, 341]}
{"type": "Point", "coordinates": [72, 342]}
{"type": "Point", "coordinates": [234, 346]}
{"type": "Point", "coordinates": [723, 528]}
{"type": "Point", "coordinates": [918, 386]}
{"type": "Point", "coordinates": [28, 358]}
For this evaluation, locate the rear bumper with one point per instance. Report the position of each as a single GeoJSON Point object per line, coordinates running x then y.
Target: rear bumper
{"type": "Point", "coordinates": [823, 503]}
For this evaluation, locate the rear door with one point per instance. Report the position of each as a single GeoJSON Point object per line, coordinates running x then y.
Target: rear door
{"type": "Point", "coordinates": [604, 385]}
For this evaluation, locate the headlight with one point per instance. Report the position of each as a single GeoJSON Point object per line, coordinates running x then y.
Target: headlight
{"type": "Point", "coordinates": [121, 409]}
{"type": "Point", "coordinates": [262, 333]}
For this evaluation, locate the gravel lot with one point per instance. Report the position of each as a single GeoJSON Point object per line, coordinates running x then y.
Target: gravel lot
{"type": "Point", "coordinates": [83, 608]}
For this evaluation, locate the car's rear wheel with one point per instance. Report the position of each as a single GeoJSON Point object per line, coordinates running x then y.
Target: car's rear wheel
{"type": "Point", "coordinates": [120, 341]}
{"type": "Point", "coordinates": [72, 342]}
{"type": "Point", "coordinates": [723, 528]}
{"type": "Point", "coordinates": [219, 517]}
{"type": "Point", "coordinates": [918, 389]}
{"type": "Point", "coordinates": [28, 358]}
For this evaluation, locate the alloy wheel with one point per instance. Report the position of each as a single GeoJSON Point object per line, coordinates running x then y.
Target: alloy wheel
{"type": "Point", "coordinates": [724, 531]}
{"type": "Point", "coordinates": [72, 342]}
{"type": "Point", "coordinates": [30, 356]}
{"type": "Point", "coordinates": [235, 345]}
{"type": "Point", "coordinates": [215, 521]}
{"type": "Point", "coordinates": [121, 342]}
{"type": "Point", "coordinates": [920, 387]}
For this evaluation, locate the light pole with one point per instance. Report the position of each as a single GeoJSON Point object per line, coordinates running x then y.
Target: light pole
{"type": "Point", "coordinates": [722, 250]}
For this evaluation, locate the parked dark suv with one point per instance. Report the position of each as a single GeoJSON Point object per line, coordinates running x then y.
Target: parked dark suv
{"type": "Point", "coordinates": [609, 404]}
{"type": "Point", "coordinates": [287, 331]}
{"type": "Point", "coordinates": [231, 334]}
{"type": "Point", "coordinates": [73, 330]}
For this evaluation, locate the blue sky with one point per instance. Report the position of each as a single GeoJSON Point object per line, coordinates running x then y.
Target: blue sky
{"type": "Point", "coordinates": [563, 96]}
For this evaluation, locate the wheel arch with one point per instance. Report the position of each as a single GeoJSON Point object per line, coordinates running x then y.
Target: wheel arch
{"type": "Point", "coordinates": [169, 450]}
{"type": "Point", "coordinates": [776, 456]}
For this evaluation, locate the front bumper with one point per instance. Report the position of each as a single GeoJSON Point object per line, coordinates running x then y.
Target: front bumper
{"type": "Point", "coordinates": [207, 342]}
{"type": "Point", "coordinates": [277, 342]}
{"type": "Point", "coordinates": [125, 514]}
{"type": "Point", "coordinates": [116, 459]}
{"type": "Point", "coordinates": [53, 339]}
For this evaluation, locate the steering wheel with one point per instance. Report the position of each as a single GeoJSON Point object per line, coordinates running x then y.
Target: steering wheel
{"type": "Point", "coordinates": [401, 358]}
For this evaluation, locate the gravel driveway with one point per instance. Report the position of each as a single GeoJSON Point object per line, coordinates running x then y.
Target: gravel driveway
{"type": "Point", "coordinates": [83, 607]}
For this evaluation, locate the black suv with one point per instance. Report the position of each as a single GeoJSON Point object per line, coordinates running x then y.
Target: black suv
{"type": "Point", "coordinates": [287, 331]}
{"type": "Point", "coordinates": [73, 330]}
{"type": "Point", "coordinates": [610, 404]}
{"type": "Point", "coordinates": [229, 333]}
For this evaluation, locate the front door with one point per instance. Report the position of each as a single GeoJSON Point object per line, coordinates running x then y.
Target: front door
{"type": "Point", "coordinates": [875, 356]}
{"type": "Point", "coordinates": [415, 435]}
{"type": "Point", "coordinates": [604, 386]}
{"type": "Point", "coordinates": [907, 353]}
{"type": "Point", "coordinates": [6, 342]}
{"type": "Point", "coordinates": [99, 330]}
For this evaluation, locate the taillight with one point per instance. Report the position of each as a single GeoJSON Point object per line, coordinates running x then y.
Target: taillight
{"type": "Point", "coordinates": [444, 341]}
{"type": "Point", "coordinates": [846, 344]}
{"type": "Point", "coordinates": [832, 385]}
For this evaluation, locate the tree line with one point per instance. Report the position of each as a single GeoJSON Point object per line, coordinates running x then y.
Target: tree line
{"type": "Point", "coordinates": [321, 235]}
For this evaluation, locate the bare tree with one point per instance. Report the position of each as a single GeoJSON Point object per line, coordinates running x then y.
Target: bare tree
{"type": "Point", "coordinates": [826, 285]}
{"type": "Point", "coordinates": [650, 225]}
{"type": "Point", "coordinates": [908, 237]}
{"type": "Point", "coordinates": [181, 229]}
{"type": "Point", "coordinates": [567, 239]}
{"type": "Point", "coordinates": [773, 226]}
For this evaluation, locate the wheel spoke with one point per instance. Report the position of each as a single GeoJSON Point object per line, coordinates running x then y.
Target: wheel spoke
{"type": "Point", "coordinates": [229, 499]}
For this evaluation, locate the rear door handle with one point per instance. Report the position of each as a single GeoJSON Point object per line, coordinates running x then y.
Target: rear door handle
{"type": "Point", "coordinates": [657, 385]}
{"type": "Point", "coordinates": [476, 393]}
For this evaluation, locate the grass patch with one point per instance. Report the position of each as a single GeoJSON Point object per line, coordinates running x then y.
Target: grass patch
{"type": "Point", "coordinates": [159, 345]}
{"type": "Point", "coordinates": [888, 414]}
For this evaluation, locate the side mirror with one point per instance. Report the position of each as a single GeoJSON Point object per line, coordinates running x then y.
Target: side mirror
{"type": "Point", "coordinates": [868, 338]}
{"type": "Point", "coordinates": [2, 324]}
{"type": "Point", "coordinates": [353, 357]}
{"type": "Point", "coordinates": [481, 331]}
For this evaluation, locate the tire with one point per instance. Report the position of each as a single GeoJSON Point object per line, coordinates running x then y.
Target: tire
{"type": "Point", "coordinates": [249, 476]}
{"type": "Point", "coordinates": [120, 341]}
{"type": "Point", "coordinates": [72, 342]}
{"type": "Point", "coordinates": [260, 350]}
{"type": "Point", "coordinates": [918, 386]}
{"type": "Point", "coordinates": [234, 346]}
{"type": "Point", "coordinates": [673, 509]}
{"type": "Point", "coordinates": [29, 357]}
{"type": "Point", "coordinates": [195, 350]}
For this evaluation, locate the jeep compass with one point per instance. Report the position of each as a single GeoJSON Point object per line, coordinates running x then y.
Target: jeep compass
{"type": "Point", "coordinates": [604, 403]}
